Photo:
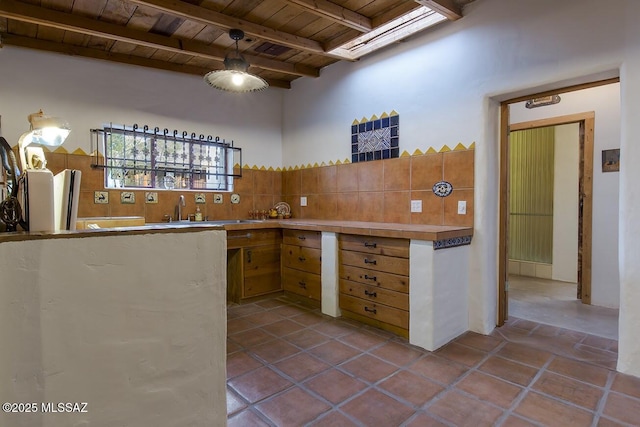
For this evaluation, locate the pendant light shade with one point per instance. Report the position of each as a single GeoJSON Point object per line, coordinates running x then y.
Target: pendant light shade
{"type": "Point", "coordinates": [235, 77]}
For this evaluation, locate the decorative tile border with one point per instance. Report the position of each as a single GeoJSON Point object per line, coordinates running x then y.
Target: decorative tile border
{"type": "Point", "coordinates": [375, 138]}
{"type": "Point", "coordinates": [451, 243]}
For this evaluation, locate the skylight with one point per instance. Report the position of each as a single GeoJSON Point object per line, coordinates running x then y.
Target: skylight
{"type": "Point", "coordinates": [393, 31]}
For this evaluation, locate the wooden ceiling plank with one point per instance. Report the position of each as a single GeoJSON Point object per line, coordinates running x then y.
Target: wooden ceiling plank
{"type": "Point", "coordinates": [447, 8]}
{"type": "Point", "coordinates": [36, 15]}
{"type": "Point", "coordinates": [116, 57]}
{"type": "Point", "coordinates": [207, 16]}
{"type": "Point", "coordinates": [336, 13]}
{"type": "Point", "coordinates": [61, 5]}
{"type": "Point", "coordinates": [51, 34]}
{"type": "Point", "coordinates": [394, 13]}
{"type": "Point", "coordinates": [117, 12]}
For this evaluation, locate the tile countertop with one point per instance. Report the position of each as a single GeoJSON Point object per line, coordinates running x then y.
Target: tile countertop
{"type": "Point", "coordinates": [380, 229]}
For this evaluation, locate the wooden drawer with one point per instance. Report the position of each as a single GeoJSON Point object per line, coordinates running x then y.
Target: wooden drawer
{"type": "Point", "coordinates": [375, 262]}
{"type": "Point", "coordinates": [301, 258]}
{"type": "Point", "coordinates": [375, 294]}
{"type": "Point", "coordinates": [309, 239]}
{"type": "Point", "coordinates": [390, 281]}
{"type": "Point", "coordinates": [375, 245]}
{"type": "Point", "coordinates": [254, 237]}
{"type": "Point", "coordinates": [301, 283]}
{"type": "Point", "coordinates": [378, 312]}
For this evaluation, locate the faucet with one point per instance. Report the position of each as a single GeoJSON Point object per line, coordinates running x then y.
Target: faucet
{"type": "Point", "coordinates": [181, 203]}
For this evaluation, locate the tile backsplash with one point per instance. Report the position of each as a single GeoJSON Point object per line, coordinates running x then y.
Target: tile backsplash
{"type": "Point", "coordinates": [379, 191]}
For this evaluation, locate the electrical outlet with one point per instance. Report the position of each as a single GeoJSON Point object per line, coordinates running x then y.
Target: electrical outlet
{"type": "Point", "coordinates": [303, 201]}
{"type": "Point", "coordinates": [416, 206]}
{"type": "Point", "coordinates": [462, 207]}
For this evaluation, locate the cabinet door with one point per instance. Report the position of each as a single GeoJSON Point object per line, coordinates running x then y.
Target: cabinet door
{"type": "Point", "coordinates": [390, 281]}
{"type": "Point", "coordinates": [261, 268]}
{"type": "Point", "coordinates": [375, 294]}
{"type": "Point", "coordinates": [301, 283]}
{"type": "Point", "coordinates": [310, 239]}
{"type": "Point", "coordinates": [301, 258]}
{"type": "Point", "coordinates": [378, 312]}
{"type": "Point", "coordinates": [375, 245]}
{"type": "Point", "coordinates": [376, 262]}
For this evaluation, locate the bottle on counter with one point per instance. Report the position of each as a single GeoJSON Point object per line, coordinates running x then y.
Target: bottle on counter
{"type": "Point", "coordinates": [198, 214]}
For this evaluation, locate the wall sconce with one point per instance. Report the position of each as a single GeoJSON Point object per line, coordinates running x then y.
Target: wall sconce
{"type": "Point", "coordinates": [235, 77]}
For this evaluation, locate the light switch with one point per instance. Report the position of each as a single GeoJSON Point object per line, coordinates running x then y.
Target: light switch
{"type": "Point", "coordinates": [462, 207]}
{"type": "Point", "coordinates": [303, 201]}
{"type": "Point", "coordinates": [416, 206]}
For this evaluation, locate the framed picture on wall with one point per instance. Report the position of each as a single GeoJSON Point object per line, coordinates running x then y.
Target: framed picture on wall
{"type": "Point", "coordinates": [611, 160]}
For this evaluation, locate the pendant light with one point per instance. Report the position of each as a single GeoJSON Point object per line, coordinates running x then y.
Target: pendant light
{"type": "Point", "coordinates": [235, 78]}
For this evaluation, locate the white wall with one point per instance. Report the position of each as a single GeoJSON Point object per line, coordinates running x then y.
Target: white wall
{"type": "Point", "coordinates": [89, 93]}
{"type": "Point", "coordinates": [605, 102]}
{"type": "Point", "coordinates": [447, 84]}
{"type": "Point", "coordinates": [565, 203]}
{"type": "Point", "coordinates": [133, 325]}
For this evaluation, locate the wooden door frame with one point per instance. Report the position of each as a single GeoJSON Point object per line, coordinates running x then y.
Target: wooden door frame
{"type": "Point", "coordinates": [587, 122]}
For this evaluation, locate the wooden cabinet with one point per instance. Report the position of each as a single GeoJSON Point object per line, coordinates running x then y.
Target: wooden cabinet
{"type": "Point", "coordinates": [374, 281]}
{"type": "Point", "coordinates": [253, 263]}
{"type": "Point", "coordinates": [301, 265]}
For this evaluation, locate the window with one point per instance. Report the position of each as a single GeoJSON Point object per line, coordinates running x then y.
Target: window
{"type": "Point", "coordinates": [151, 158]}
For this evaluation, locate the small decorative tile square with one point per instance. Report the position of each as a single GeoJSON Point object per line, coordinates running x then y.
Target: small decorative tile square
{"type": "Point", "coordinates": [375, 138]}
{"type": "Point", "coordinates": [217, 198]}
{"type": "Point", "coordinates": [101, 197]}
{"type": "Point", "coordinates": [200, 198]}
{"type": "Point", "coordinates": [151, 197]}
{"type": "Point", "coordinates": [128, 197]}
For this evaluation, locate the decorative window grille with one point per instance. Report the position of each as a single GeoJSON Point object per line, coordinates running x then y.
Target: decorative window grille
{"type": "Point", "coordinates": [137, 157]}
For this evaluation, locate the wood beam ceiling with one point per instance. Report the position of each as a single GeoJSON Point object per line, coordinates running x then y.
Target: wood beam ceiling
{"type": "Point", "coordinates": [336, 13]}
{"type": "Point", "coordinates": [447, 8]}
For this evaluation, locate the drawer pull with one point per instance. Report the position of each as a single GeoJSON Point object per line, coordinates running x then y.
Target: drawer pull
{"type": "Point", "coordinates": [302, 238]}
{"type": "Point", "coordinates": [370, 261]}
{"type": "Point", "coordinates": [249, 253]}
{"type": "Point", "coordinates": [370, 294]}
{"type": "Point", "coordinates": [301, 259]}
{"type": "Point", "coordinates": [370, 245]}
{"type": "Point", "coordinates": [370, 310]}
{"type": "Point", "coordinates": [303, 285]}
{"type": "Point", "coordinates": [374, 278]}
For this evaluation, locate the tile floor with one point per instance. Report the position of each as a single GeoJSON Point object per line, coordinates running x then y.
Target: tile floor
{"type": "Point", "coordinates": [292, 366]}
{"type": "Point", "coordinates": [554, 303]}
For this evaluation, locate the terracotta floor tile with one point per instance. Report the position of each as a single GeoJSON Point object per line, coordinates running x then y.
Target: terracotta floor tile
{"type": "Point", "coordinates": [302, 366]}
{"type": "Point", "coordinates": [251, 338]}
{"type": "Point", "coordinates": [246, 418]}
{"type": "Point", "coordinates": [626, 384]}
{"type": "Point", "coordinates": [546, 331]}
{"type": "Point", "coordinates": [295, 407]}
{"type": "Point", "coordinates": [568, 389]}
{"type": "Point", "coordinates": [275, 350]}
{"type": "Point", "coordinates": [508, 370]}
{"type": "Point", "coordinates": [479, 341]}
{"type": "Point", "coordinates": [463, 411]}
{"type": "Point", "coordinates": [333, 419]}
{"type": "Point", "coordinates": [234, 402]}
{"type": "Point", "coordinates": [288, 310]}
{"type": "Point", "coordinates": [335, 328]}
{"type": "Point", "coordinates": [258, 384]}
{"type": "Point", "coordinates": [622, 408]}
{"type": "Point", "coordinates": [599, 342]}
{"type": "Point", "coordinates": [604, 358]}
{"type": "Point", "coordinates": [373, 408]}
{"type": "Point", "coordinates": [513, 421]}
{"type": "Point", "coordinates": [271, 303]}
{"type": "Point", "coordinates": [524, 354]}
{"type": "Point", "coordinates": [238, 325]}
{"type": "Point", "coordinates": [574, 336]}
{"type": "Point", "coordinates": [579, 370]}
{"type": "Point", "coordinates": [283, 327]}
{"type": "Point", "coordinates": [551, 412]}
{"type": "Point", "coordinates": [490, 389]}
{"type": "Point", "coordinates": [363, 340]}
{"type": "Point", "coordinates": [396, 353]}
{"type": "Point", "coordinates": [438, 368]}
{"type": "Point", "coordinates": [335, 386]}
{"type": "Point", "coordinates": [232, 347]}
{"type": "Point", "coordinates": [334, 352]}
{"type": "Point", "coordinates": [241, 363]}
{"type": "Point", "coordinates": [527, 325]}
{"type": "Point", "coordinates": [606, 422]}
{"type": "Point", "coordinates": [369, 368]}
{"type": "Point", "coordinates": [308, 319]}
{"type": "Point", "coordinates": [411, 387]}
{"type": "Point", "coordinates": [461, 354]}
{"type": "Point", "coordinates": [306, 338]}
{"type": "Point", "coordinates": [238, 310]}
{"type": "Point", "coordinates": [262, 318]}
{"type": "Point", "coordinates": [423, 420]}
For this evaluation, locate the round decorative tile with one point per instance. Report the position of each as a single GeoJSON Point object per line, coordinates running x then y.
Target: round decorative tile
{"type": "Point", "coordinates": [442, 188]}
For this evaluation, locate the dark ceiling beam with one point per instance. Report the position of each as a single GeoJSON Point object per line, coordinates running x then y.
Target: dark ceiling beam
{"type": "Point", "coordinates": [335, 13]}
{"type": "Point", "coordinates": [210, 17]}
{"type": "Point", "coordinates": [65, 21]}
{"type": "Point", "coordinates": [86, 52]}
{"type": "Point", "coordinates": [447, 8]}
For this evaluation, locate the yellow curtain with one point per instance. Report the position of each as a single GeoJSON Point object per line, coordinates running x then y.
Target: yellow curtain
{"type": "Point", "coordinates": [531, 195]}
